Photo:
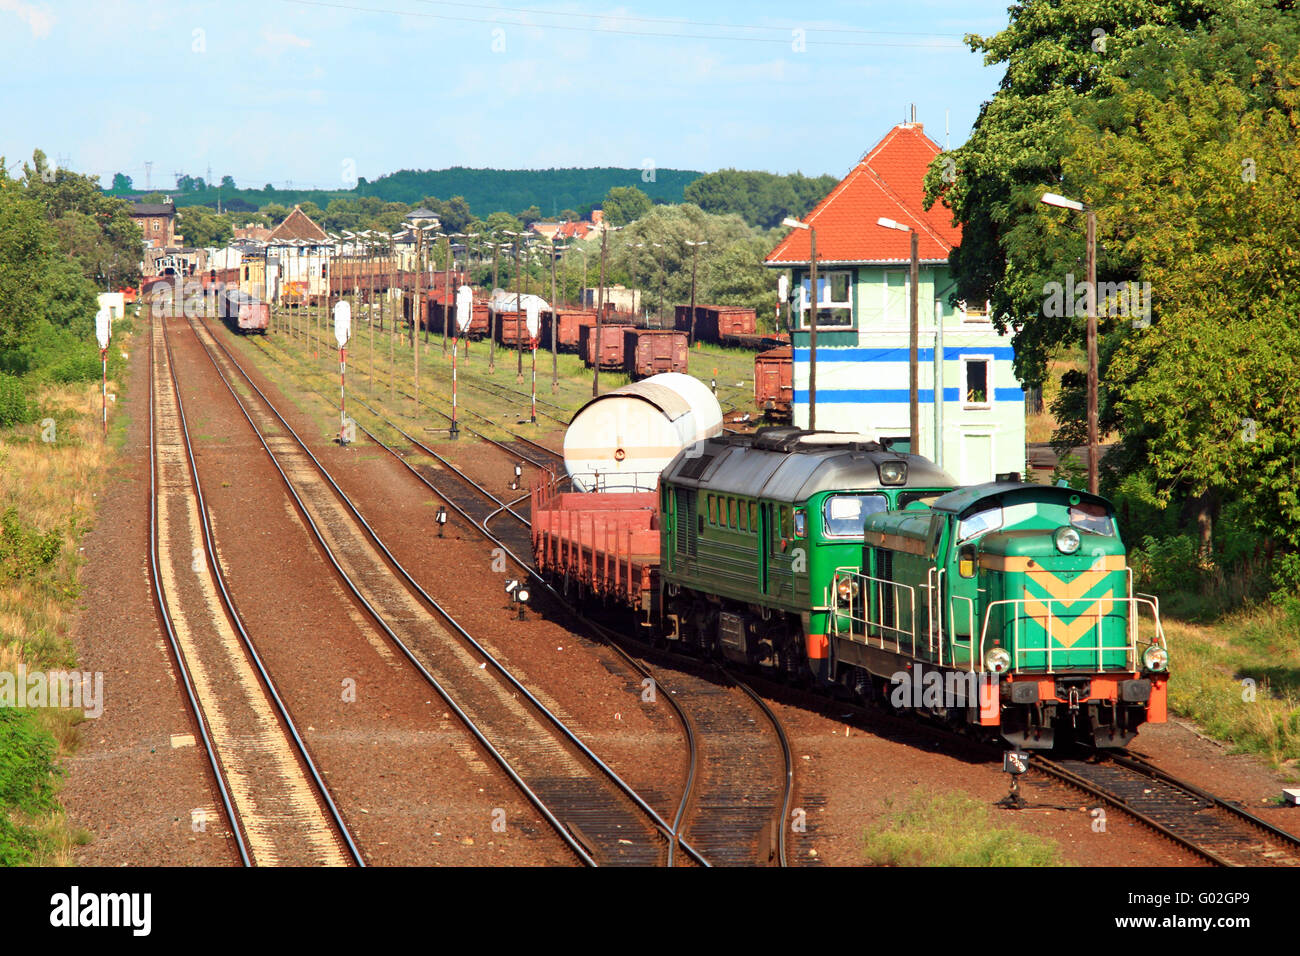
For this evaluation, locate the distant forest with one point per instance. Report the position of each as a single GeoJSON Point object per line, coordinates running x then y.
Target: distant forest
{"type": "Point", "coordinates": [760, 198]}
{"type": "Point", "coordinates": [486, 190]}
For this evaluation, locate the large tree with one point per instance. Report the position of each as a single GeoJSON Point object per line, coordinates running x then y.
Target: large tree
{"type": "Point", "coordinates": [1058, 54]}
{"type": "Point", "coordinates": [1192, 166]}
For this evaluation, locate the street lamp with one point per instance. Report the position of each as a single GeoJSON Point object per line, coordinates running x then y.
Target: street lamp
{"type": "Point", "coordinates": [690, 339]}
{"type": "Point", "coordinates": [1053, 199]}
{"type": "Point", "coordinates": [812, 318]}
{"type": "Point", "coordinates": [914, 334]}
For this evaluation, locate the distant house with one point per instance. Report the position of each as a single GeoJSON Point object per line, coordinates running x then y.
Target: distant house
{"type": "Point", "coordinates": [157, 221]}
{"type": "Point", "coordinates": [863, 319]}
{"type": "Point", "coordinates": [297, 259]}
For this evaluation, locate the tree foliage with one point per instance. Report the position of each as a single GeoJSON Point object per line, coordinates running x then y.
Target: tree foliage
{"type": "Point", "coordinates": [624, 204]}
{"type": "Point", "coordinates": [761, 199]}
{"type": "Point", "coordinates": [1193, 166]}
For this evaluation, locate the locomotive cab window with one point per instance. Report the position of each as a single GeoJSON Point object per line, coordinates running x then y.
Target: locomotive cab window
{"type": "Point", "coordinates": [990, 519]}
{"type": "Point", "coordinates": [713, 510]}
{"type": "Point", "coordinates": [844, 514]}
{"type": "Point", "coordinates": [744, 517]}
{"type": "Point", "coordinates": [1091, 517]}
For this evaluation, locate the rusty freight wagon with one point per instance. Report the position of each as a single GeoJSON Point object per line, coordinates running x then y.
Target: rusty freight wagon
{"type": "Point", "coordinates": [598, 545]}
{"type": "Point", "coordinates": [648, 352]}
{"type": "Point", "coordinates": [567, 323]}
{"type": "Point", "coordinates": [478, 324]}
{"type": "Point", "coordinates": [774, 383]}
{"type": "Point", "coordinates": [610, 349]}
{"type": "Point", "coordinates": [716, 323]}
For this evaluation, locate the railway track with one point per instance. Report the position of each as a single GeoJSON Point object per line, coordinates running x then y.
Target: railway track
{"type": "Point", "coordinates": [1214, 829]}
{"type": "Point", "coordinates": [274, 798]}
{"type": "Point", "coordinates": [738, 815]}
{"type": "Point", "coordinates": [600, 817]}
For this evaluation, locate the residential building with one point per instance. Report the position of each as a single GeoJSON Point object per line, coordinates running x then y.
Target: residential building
{"type": "Point", "coordinates": [863, 321]}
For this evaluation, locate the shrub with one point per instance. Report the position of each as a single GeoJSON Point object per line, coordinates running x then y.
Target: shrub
{"type": "Point", "coordinates": [23, 549]}
{"type": "Point", "coordinates": [14, 409]}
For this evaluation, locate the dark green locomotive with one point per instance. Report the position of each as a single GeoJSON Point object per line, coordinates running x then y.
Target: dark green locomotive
{"type": "Point", "coordinates": [754, 527]}
{"type": "Point", "coordinates": [1006, 605]}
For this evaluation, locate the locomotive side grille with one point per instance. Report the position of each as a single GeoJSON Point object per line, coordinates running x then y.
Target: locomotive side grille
{"type": "Point", "coordinates": [687, 533]}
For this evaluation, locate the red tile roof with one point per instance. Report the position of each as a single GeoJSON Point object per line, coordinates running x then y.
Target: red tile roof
{"type": "Point", "coordinates": [298, 225]}
{"type": "Point", "coordinates": [888, 182]}
{"type": "Point", "coordinates": [571, 230]}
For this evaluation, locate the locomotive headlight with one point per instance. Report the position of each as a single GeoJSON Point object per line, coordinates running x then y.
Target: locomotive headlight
{"type": "Point", "coordinates": [1067, 540]}
{"type": "Point", "coordinates": [845, 588]}
{"type": "Point", "coordinates": [1155, 658]}
{"type": "Point", "coordinates": [893, 472]}
{"type": "Point", "coordinates": [997, 660]}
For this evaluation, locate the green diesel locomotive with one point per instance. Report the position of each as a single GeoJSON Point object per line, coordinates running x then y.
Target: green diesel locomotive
{"type": "Point", "coordinates": [1006, 605]}
{"type": "Point", "coordinates": [753, 529]}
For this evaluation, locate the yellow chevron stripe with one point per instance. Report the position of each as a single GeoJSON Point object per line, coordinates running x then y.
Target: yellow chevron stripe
{"type": "Point", "coordinates": [1067, 633]}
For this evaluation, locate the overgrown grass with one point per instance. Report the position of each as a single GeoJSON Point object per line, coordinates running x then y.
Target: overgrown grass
{"type": "Point", "coordinates": [952, 829]}
{"type": "Point", "coordinates": [52, 464]}
{"type": "Point", "coordinates": [1239, 680]}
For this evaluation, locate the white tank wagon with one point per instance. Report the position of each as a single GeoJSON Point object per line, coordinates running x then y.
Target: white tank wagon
{"type": "Point", "coordinates": [622, 440]}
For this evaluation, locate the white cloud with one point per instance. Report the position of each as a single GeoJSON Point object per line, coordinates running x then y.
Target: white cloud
{"type": "Point", "coordinates": [39, 19]}
{"type": "Point", "coordinates": [278, 40]}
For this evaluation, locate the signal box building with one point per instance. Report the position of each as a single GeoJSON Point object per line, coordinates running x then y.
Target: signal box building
{"type": "Point", "coordinates": [863, 321]}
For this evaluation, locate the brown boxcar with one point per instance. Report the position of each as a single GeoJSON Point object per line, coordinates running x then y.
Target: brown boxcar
{"type": "Point", "coordinates": [512, 330]}
{"type": "Point", "coordinates": [648, 352]}
{"type": "Point", "coordinates": [774, 383]}
{"type": "Point", "coordinates": [478, 324]}
{"type": "Point", "coordinates": [716, 323]}
{"type": "Point", "coordinates": [567, 323]}
{"type": "Point", "coordinates": [604, 545]}
{"type": "Point", "coordinates": [611, 345]}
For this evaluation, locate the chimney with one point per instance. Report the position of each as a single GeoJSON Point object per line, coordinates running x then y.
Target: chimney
{"type": "Point", "coordinates": [597, 216]}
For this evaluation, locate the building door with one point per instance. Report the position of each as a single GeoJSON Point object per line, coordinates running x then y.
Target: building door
{"type": "Point", "coordinates": [976, 457]}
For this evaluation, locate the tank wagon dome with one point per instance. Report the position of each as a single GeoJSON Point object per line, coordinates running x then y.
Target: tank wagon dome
{"type": "Point", "coordinates": [623, 439]}
{"type": "Point", "coordinates": [790, 464]}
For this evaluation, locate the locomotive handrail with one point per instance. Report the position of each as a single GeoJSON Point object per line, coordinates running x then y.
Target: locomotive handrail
{"type": "Point", "coordinates": [1132, 656]}
{"type": "Point", "coordinates": [970, 621]}
{"type": "Point", "coordinates": [866, 619]}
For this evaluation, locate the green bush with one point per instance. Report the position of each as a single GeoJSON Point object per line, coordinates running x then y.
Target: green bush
{"type": "Point", "coordinates": [14, 409]}
{"type": "Point", "coordinates": [23, 549]}
{"type": "Point", "coordinates": [27, 776]}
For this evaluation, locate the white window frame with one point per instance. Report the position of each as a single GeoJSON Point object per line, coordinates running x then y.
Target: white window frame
{"type": "Point", "coordinates": [966, 360]}
{"type": "Point", "coordinates": [830, 303]}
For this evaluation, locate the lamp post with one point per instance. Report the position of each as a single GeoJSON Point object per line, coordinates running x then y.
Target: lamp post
{"type": "Point", "coordinates": [659, 310]}
{"type": "Point", "coordinates": [415, 307]}
{"type": "Point", "coordinates": [555, 320]}
{"type": "Point", "coordinates": [812, 318]}
{"type": "Point", "coordinates": [519, 312]}
{"type": "Point", "coordinates": [600, 312]}
{"type": "Point", "coordinates": [1052, 199]}
{"type": "Point", "coordinates": [690, 339]}
{"type": "Point", "coordinates": [913, 340]}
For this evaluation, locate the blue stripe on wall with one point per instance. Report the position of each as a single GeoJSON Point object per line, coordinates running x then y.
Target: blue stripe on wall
{"type": "Point", "coordinates": [895, 396]}
{"type": "Point", "coordinates": [950, 353]}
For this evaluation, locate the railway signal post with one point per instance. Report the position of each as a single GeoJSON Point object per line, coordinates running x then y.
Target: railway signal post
{"type": "Point", "coordinates": [464, 316]}
{"type": "Point", "coordinates": [533, 319]}
{"type": "Point", "coordinates": [103, 329]}
{"type": "Point", "coordinates": [343, 332]}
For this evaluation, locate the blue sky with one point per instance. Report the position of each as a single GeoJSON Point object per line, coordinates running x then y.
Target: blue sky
{"type": "Point", "coordinates": [314, 92]}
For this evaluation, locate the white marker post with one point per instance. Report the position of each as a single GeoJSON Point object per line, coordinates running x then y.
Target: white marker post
{"type": "Point", "coordinates": [464, 316]}
{"type": "Point", "coordinates": [533, 320]}
{"type": "Point", "coordinates": [342, 333]}
{"type": "Point", "coordinates": [103, 330]}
